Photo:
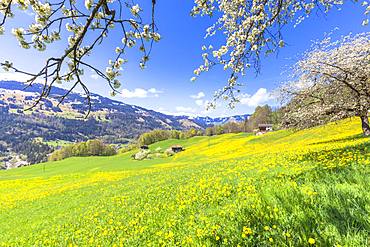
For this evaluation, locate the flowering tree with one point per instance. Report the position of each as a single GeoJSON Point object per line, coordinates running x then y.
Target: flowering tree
{"type": "Point", "coordinates": [87, 26]}
{"type": "Point", "coordinates": [332, 81]}
{"type": "Point", "coordinates": [250, 28]}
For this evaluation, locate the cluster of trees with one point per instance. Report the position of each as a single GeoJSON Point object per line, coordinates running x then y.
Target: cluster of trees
{"type": "Point", "coordinates": [230, 127]}
{"type": "Point", "coordinates": [160, 135]}
{"type": "Point", "coordinates": [192, 132]}
{"type": "Point", "coordinates": [215, 130]}
{"type": "Point", "coordinates": [18, 134]}
{"type": "Point", "coordinates": [31, 151]}
{"type": "Point", "coordinates": [262, 115]}
{"type": "Point", "coordinates": [89, 148]}
{"type": "Point", "coordinates": [36, 152]}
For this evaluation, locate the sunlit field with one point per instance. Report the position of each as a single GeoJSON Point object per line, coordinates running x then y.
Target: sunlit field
{"type": "Point", "coordinates": [285, 188]}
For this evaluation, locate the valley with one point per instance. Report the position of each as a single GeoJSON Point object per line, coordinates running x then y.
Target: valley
{"type": "Point", "coordinates": [112, 121]}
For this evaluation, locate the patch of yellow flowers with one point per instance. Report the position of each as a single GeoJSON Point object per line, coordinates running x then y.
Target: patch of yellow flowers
{"type": "Point", "coordinates": [221, 191]}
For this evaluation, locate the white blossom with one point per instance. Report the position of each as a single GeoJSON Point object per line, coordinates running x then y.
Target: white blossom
{"type": "Point", "coordinates": [251, 28]}
{"type": "Point", "coordinates": [88, 4]}
{"type": "Point", "coordinates": [18, 33]}
{"type": "Point", "coordinates": [135, 10]}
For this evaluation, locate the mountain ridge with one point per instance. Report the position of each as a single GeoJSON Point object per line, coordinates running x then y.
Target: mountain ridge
{"type": "Point", "coordinates": [99, 103]}
{"type": "Point", "coordinates": [26, 136]}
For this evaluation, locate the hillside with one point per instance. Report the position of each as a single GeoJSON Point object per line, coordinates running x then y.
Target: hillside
{"type": "Point", "coordinates": [284, 188]}
{"type": "Point", "coordinates": [110, 120]}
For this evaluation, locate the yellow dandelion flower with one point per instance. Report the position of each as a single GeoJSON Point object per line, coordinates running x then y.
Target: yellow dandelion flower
{"type": "Point", "coordinates": [311, 241]}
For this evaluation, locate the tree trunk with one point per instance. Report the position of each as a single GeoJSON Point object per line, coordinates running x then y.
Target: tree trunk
{"type": "Point", "coordinates": [365, 125]}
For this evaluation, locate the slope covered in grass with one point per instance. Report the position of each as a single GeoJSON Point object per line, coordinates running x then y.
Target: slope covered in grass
{"type": "Point", "coordinates": [282, 189]}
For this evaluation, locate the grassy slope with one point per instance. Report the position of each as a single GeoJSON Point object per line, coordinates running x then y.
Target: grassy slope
{"type": "Point", "coordinates": [281, 189]}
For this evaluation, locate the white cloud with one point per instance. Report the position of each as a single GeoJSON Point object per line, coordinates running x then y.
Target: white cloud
{"type": "Point", "coordinates": [200, 95]}
{"type": "Point", "coordinates": [140, 93]}
{"type": "Point", "coordinates": [199, 102]}
{"type": "Point", "coordinates": [136, 93]}
{"type": "Point", "coordinates": [185, 109]}
{"type": "Point", "coordinates": [198, 98]}
{"type": "Point", "coordinates": [11, 76]}
{"type": "Point", "coordinates": [180, 111]}
{"type": "Point", "coordinates": [260, 97]}
{"type": "Point", "coordinates": [154, 90]}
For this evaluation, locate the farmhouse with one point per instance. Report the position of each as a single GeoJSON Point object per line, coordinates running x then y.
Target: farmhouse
{"type": "Point", "coordinates": [265, 127]}
{"type": "Point", "coordinates": [177, 148]}
{"type": "Point", "coordinates": [144, 147]}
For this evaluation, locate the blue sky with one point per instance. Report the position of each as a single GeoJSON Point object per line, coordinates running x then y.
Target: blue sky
{"type": "Point", "coordinates": [165, 84]}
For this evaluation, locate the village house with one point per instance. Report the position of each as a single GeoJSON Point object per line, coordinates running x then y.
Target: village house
{"type": "Point", "coordinates": [264, 128]}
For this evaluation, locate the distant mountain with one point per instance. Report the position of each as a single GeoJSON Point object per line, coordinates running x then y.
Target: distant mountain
{"type": "Point", "coordinates": [110, 120]}
{"type": "Point", "coordinates": [15, 96]}
{"type": "Point", "coordinates": [208, 121]}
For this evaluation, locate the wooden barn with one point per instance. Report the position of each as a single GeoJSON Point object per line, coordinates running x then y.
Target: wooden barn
{"type": "Point", "coordinates": [144, 147]}
{"type": "Point", "coordinates": [177, 148]}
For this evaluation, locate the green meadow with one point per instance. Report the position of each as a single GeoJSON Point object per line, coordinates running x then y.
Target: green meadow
{"type": "Point", "coordinates": [285, 188]}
